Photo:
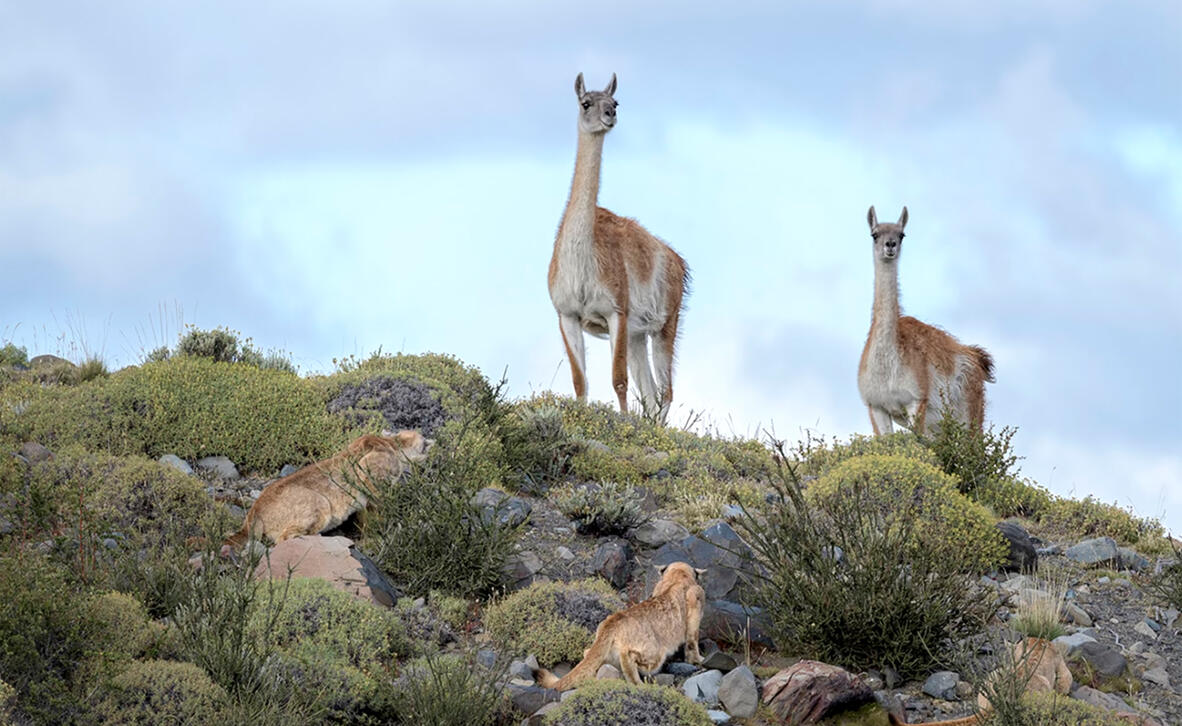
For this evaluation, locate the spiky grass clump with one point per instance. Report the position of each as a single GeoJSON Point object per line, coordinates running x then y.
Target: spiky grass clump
{"type": "Point", "coordinates": [1040, 611]}
{"type": "Point", "coordinates": [601, 509]}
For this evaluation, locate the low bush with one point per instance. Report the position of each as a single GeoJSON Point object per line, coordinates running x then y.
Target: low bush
{"type": "Point", "coordinates": [1053, 709]}
{"type": "Point", "coordinates": [1167, 584]}
{"type": "Point", "coordinates": [188, 406]}
{"type": "Point", "coordinates": [900, 488]}
{"type": "Point", "coordinates": [45, 637]}
{"type": "Point", "coordinates": [601, 509]}
{"type": "Point", "coordinates": [1012, 497]}
{"type": "Point", "coordinates": [973, 457]}
{"type": "Point", "coordinates": [555, 621]}
{"type": "Point", "coordinates": [161, 691]}
{"type": "Point", "coordinates": [426, 533]}
{"type": "Point", "coordinates": [696, 475]}
{"type": "Point", "coordinates": [224, 346]}
{"type": "Point", "coordinates": [869, 571]}
{"type": "Point", "coordinates": [815, 456]}
{"type": "Point", "coordinates": [538, 449]}
{"type": "Point", "coordinates": [449, 690]}
{"type": "Point", "coordinates": [1089, 517]}
{"type": "Point", "coordinates": [612, 702]}
{"type": "Point", "coordinates": [123, 629]}
{"type": "Point", "coordinates": [11, 355]}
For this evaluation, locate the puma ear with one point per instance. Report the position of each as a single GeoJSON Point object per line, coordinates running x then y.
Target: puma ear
{"type": "Point", "coordinates": [700, 570]}
{"type": "Point", "coordinates": [902, 217]}
{"type": "Point", "coordinates": [579, 90]}
{"type": "Point", "coordinates": [872, 218]}
{"type": "Point", "coordinates": [387, 433]}
{"type": "Point", "coordinates": [661, 569]}
{"type": "Point", "coordinates": [611, 87]}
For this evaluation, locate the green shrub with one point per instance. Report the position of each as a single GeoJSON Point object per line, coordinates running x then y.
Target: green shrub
{"type": "Point", "coordinates": [1167, 584]}
{"type": "Point", "coordinates": [223, 345]}
{"type": "Point", "coordinates": [131, 497]}
{"type": "Point", "coordinates": [92, 368]}
{"type": "Point", "coordinates": [7, 702]}
{"type": "Point", "coordinates": [695, 474]}
{"type": "Point", "coordinates": [44, 636]}
{"type": "Point", "coordinates": [160, 691]}
{"type": "Point", "coordinates": [1011, 497]}
{"type": "Point", "coordinates": [427, 534]}
{"type": "Point", "coordinates": [974, 457]}
{"type": "Point", "coordinates": [601, 509]}
{"type": "Point", "coordinates": [901, 488]}
{"type": "Point", "coordinates": [555, 621]}
{"type": "Point", "coordinates": [447, 690]}
{"type": "Point", "coordinates": [1089, 517]}
{"type": "Point", "coordinates": [188, 406]}
{"type": "Point", "coordinates": [866, 572]}
{"type": "Point", "coordinates": [123, 629]}
{"type": "Point", "coordinates": [816, 456]}
{"type": "Point", "coordinates": [11, 355]}
{"type": "Point", "coordinates": [612, 702]}
{"type": "Point", "coordinates": [538, 449]}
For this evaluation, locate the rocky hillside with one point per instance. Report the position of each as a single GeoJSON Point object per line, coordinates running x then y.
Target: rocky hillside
{"type": "Point", "coordinates": [845, 580]}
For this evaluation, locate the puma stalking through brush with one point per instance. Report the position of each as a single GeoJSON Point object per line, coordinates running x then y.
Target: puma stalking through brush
{"type": "Point", "coordinates": [323, 495]}
{"type": "Point", "coordinates": [638, 639]}
{"type": "Point", "coordinates": [613, 279]}
{"type": "Point", "coordinates": [1037, 667]}
{"type": "Point", "coordinates": [909, 367]}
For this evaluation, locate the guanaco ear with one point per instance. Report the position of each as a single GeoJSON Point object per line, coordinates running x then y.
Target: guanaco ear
{"type": "Point", "coordinates": [611, 87]}
{"type": "Point", "coordinates": [872, 218]}
{"type": "Point", "coordinates": [579, 90]}
{"type": "Point", "coordinates": [902, 217]}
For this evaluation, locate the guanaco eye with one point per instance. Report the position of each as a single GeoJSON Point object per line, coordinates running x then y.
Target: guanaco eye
{"type": "Point", "coordinates": [586, 104]}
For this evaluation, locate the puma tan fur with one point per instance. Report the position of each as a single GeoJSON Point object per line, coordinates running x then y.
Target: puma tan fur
{"type": "Point", "coordinates": [323, 495]}
{"type": "Point", "coordinates": [638, 639]}
{"type": "Point", "coordinates": [1037, 664]}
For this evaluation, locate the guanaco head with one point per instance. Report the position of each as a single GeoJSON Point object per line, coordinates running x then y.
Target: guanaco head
{"type": "Point", "coordinates": [888, 238]}
{"type": "Point", "coordinates": [597, 109]}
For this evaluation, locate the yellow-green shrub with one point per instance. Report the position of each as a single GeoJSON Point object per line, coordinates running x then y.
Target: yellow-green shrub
{"type": "Point", "coordinates": [1089, 517]}
{"type": "Point", "coordinates": [611, 702]}
{"type": "Point", "coordinates": [555, 621]}
{"type": "Point", "coordinates": [1052, 709]}
{"type": "Point", "coordinates": [816, 456]}
{"type": "Point", "coordinates": [161, 691]}
{"type": "Point", "coordinates": [188, 406]}
{"type": "Point", "coordinates": [123, 628]}
{"type": "Point", "coordinates": [908, 488]}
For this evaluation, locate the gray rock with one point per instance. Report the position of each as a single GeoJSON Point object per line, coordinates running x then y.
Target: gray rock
{"type": "Point", "coordinates": [719, 550]}
{"type": "Point", "coordinates": [531, 661]}
{"type": "Point", "coordinates": [488, 497]}
{"type": "Point", "coordinates": [718, 717]}
{"type": "Point", "coordinates": [810, 691]}
{"type": "Point", "coordinates": [729, 621]}
{"type": "Point", "coordinates": [1023, 557]}
{"type": "Point", "coordinates": [680, 669]}
{"type": "Point", "coordinates": [530, 699]}
{"type": "Point", "coordinates": [34, 453]}
{"type": "Point", "coordinates": [665, 679]}
{"type": "Point", "coordinates": [1130, 559]}
{"type": "Point", "coordinates": [607, 671]}
{"type": "Point", "coordinates": [539, 717]}
{"type": "Point", "coordinates": [942, 684]}
{"type": "Point", "coordinates": [220, 466]}
{"type": "Point", "coordinates": [564, 553]}
{"type": "Point", "coordinates": [1017, 583]}
{"type": "Point", "coordinates": [487, 657]}
{"type": "Point", "coordinates": [1094, 552]}
{"type": "Point", "coordinates": [1069, 645]}
{"type": "Point", "coordinates": [719, 661]}
{"type": "Point", "coordinates": [613, 562]}
{"type": "Point", "coordinates": [520, 669]}
{"type": "Point", "coordinates": [1087, 694]}
{"type": "Point", "coordinates": [176, 462]}
{"type": "Point", "coordinates": [1105, 659]}
{"type": "Point", "coordinates": [1142, 628]}
{"type": "Point", "coordinates": [738, 693]}
{"type": "Point", "coordinates": [521, 567]}
{"type": "Point", "coordinates": [1168, 616]}
{"type": "Point", "coordinates": [703, 687]}
{"type": "Point", "coordinates": [496, 506]}
{"type": "Point", "coordinates": [657, 532]}
{"type": "Point", "coordinates": [288, 470]}
{"type": "Point", "coordinates": [732, 512]}
{"type": "Point", "coordinates": [1077, 615]}
{"type": "Point", "coordinates": [1157, 675]}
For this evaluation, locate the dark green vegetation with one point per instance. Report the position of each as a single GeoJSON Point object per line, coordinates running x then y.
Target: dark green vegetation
{"type": "Point", "coordinates": [103, 617]}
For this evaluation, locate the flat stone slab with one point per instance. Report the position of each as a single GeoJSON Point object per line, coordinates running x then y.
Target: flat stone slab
{"type": "Point", "coordinates": [332, 559]}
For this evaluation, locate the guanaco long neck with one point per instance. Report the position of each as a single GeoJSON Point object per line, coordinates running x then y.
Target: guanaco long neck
{"type": "Point", "coordinates": [578, 221]}
{"type": "Point", "coordinates": [884, 323]}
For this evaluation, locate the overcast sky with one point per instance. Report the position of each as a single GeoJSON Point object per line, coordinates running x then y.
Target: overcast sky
{"type": "Point", "coordinates": [329, 178]}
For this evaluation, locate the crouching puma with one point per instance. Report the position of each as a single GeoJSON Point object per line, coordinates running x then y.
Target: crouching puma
{"type": "Point", "coordinates": [323, 495]}
{"type": "Point", "coordinates": [638, 639]}
{"type": "Point", "coordinates": [1037, 667]}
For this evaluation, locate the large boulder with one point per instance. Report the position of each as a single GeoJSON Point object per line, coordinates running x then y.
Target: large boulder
{"type": "Point", "coordinates": [333, 559]}
{"type": "Point", "coordinates": [719, 550]}
{"type": "Point", "coordinates": [613, 561]}
{"type": "Point", "coordinates": [1095, 552]}
{"type": "Point", "coordinates": [1023, 556]}
{"type": "Point", "coordinates": [810, 691]}
{"type": "Point", "coordinates": [738, 692]}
